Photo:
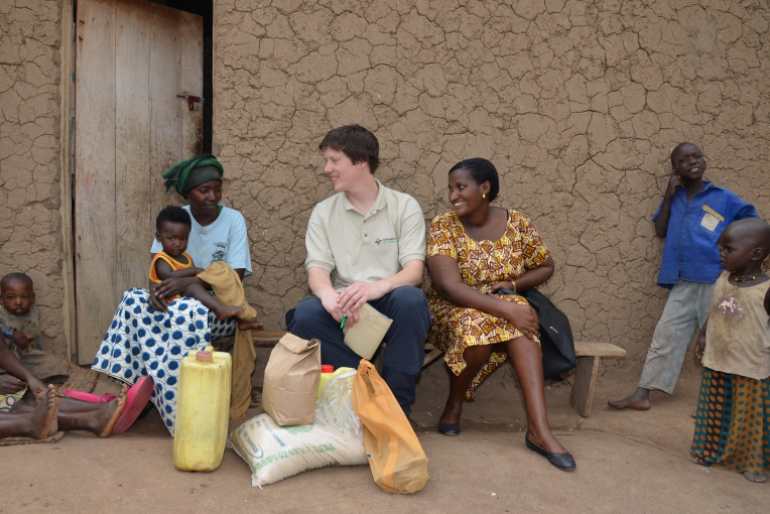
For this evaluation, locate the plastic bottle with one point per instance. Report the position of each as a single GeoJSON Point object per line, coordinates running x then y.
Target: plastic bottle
{"type": "Point", "coordinates": [327, 373]}
{"type": "Point", "coordinates": [203, 410]}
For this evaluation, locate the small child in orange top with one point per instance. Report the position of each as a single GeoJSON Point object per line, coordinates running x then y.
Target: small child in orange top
{"type": "Point", "coordinates": [173, 229]}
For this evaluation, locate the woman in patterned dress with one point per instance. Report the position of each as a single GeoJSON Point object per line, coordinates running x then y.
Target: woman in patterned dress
{"type": "Point", "coordinates": [473, 252]}
{"type": "Point", "coordinates": [150, 334]}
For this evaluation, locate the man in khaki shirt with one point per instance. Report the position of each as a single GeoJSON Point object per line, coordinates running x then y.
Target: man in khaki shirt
{"type": "Point", "coordinates": [365, 244]}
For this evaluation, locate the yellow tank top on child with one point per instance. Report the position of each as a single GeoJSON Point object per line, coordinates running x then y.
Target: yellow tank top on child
{"type": "Point", "coordinates": [175, 265]}
{"type": "Point", "coordinates": [738, 332]}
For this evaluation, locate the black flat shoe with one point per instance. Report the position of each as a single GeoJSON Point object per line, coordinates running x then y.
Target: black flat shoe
{"type": "Point", "coordinates": [449, 428]}
{"type": "Point", "coordinates": [563, 461]}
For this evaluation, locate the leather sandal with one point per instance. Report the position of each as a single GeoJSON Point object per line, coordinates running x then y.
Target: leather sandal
{"type": "Point", "coordinates": [563, 461]}
{"type": "Point", "coordinates": [451, 429]}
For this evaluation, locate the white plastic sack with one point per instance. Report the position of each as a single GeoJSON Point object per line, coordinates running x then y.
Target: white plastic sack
{"type": "Point", "coordinates": [274, 452]}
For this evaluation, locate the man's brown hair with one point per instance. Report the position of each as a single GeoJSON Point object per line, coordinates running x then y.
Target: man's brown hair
{"type": "Point", "coordinates": [358, 143]}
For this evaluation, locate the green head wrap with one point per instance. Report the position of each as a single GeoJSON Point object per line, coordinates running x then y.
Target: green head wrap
{"type": "Point", "coordinates": [191, 173]}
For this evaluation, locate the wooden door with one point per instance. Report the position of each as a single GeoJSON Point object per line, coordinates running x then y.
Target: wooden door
{"type": "Point", "coordinates": [133, 59]}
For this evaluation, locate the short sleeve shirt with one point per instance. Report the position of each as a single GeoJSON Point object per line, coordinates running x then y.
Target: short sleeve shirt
{"type": "Point", "coordinates": [355, 247]}
{"type": "Point", "coordinates": [224, 240]}
{"type": "Point", "coordinates": [691, 251]}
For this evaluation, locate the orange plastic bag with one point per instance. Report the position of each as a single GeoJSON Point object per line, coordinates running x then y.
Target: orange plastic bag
{"type": "Point", "coordinates": [398, 463]}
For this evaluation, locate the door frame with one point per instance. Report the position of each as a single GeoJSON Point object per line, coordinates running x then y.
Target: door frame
{"type": "Point", "coordinates": [66, 208]}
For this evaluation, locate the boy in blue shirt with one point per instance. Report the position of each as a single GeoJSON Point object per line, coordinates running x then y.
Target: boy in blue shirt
{"type": "Point", "coordinates": [691, 218]}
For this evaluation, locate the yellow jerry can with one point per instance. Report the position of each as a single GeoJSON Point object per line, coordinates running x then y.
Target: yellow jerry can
{"type": "Point", "coordinates": [202, 410]}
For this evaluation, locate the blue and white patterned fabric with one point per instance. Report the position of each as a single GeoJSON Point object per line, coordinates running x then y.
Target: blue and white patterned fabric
{"type": "Point", "coordinates": [142, 341]}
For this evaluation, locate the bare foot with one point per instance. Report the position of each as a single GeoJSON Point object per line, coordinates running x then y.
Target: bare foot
{"type": "Point", "coordinates": [108, 414]}
{"type": "Point", "coordinates": [224, 312]}
{"type": "Point", "coordinates": [54, 426]}
{"type": "Point", "coordinates": [249, 325]}
{"type": "Point", "coordinates": [41, 419]}
{"type": "Point", "coordinates": [752, 477]}
{"type": "Point", "coordinates": [640, 400]}
{"type": "Point", "coordinates": [452, 413]}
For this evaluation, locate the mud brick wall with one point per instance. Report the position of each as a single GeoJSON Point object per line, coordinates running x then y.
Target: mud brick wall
{"type": "Point", "coordinates": [578, 103]}
{"type": "Point", "coordinates": [30, 197]}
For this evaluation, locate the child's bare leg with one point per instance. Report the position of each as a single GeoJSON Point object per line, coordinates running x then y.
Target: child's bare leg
{"type": "Point", "coordinates": [249, 325]}
{"type": "Point", "coordinates": [34, 424]}
{"type": "Point", "coordinates": [221, 311]}
{"type": "Point", "coordinates": [53, 427]}
{"type": "Point", "coordinates": [753, 477]}
{"type": "Point", "coordinates": [640, 400]}
{"type": "Point", "coordinates": [99, 421]}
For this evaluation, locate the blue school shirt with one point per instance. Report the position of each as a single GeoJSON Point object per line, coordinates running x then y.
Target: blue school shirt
{"type": "Point", "coordinates": [691, 251]}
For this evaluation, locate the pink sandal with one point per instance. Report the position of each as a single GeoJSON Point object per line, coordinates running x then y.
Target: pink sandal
{"type": "Point", "coordinates": [136, 400]}
{"type": "Point", "coordinates": [89, 397]}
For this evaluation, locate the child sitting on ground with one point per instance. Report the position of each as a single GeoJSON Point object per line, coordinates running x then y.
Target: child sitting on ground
{"type": "Point", "coordinates": [41, 412]}
{"type": "Point", "coordinates": [20, 320]}
{"type": "Point", "coordinates": [173, 230]}
{"type": "Point", "coordinates": [733, 417]}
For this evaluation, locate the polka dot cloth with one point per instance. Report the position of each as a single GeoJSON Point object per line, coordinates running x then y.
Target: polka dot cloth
{"type": "Point", "coordinates": [142, 341]}
{"type": "Point", "coordinates": [733, 426]}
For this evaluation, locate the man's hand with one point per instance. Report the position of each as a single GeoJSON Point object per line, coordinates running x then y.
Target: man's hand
{"type": "Point", "coordinates": [11, 385]}
{"type": "Point", "coordinates": [329, 301]}
{"type": "Point", "coordinates": [21, 339]}
{"type": "Point", "coordinates": [356, 295]}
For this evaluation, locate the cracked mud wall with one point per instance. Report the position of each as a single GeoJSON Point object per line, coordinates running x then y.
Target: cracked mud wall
{"type": "Point", "coordinates": [30, 169]}
{"type": "Point", "coordinates": [577, 103]}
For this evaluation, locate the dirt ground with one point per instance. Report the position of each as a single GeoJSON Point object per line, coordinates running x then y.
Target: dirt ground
{"type": "Point", "coordinates": [630, 462]}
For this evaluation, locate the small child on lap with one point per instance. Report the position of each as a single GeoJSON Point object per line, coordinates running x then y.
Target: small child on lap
{"type": "Point", "coordinates": [173, 230]}
{"type": "Point", "coordinates": [733, 417]}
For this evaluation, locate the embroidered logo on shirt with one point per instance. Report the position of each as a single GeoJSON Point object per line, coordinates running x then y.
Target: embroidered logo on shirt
{"type": "Point", "coordinates": [726, 304]}
{"type": "Point", "coordinates": [389, 240]}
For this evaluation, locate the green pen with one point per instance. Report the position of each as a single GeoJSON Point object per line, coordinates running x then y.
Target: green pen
{"type": "Point", "coordinates": [344, 318]}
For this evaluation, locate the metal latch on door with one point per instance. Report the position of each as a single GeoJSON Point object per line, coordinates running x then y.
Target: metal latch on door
{"type": "Point", "coordinates": [192, 101]}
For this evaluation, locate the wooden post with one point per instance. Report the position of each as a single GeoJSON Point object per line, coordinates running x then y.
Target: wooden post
{"type": "Point", "coordinates": [582, 396]}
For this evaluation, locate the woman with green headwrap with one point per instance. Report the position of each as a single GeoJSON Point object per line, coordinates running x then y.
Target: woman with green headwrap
{"type": "Point", "coordinates": [218, 233]}
{"type": "Point", "coordinates": [149, 335]}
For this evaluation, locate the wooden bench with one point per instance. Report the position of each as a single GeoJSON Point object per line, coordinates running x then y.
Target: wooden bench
{"type": "Point", "coordinates": [269, 338]}
{"type": "Point", "coordinates": [588, 356]}
{"type": "Point", "coordinates": [582, 397]}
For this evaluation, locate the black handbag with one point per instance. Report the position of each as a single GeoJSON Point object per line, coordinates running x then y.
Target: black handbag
{"type": "Point", "coordinates": [556, 340]}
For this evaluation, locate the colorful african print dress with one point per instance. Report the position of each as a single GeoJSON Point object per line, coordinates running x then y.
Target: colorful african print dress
{"type": "Point", "coordinates": [482, 264]}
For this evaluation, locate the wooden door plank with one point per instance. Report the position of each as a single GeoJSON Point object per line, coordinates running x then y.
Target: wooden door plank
{"type": "Point", "coordinates": [191, 48]}
{"type": "Point", "coordinates": [165, 107]}
{"type": "Point", "coordinates": [95, 243]}
{"type": "Point", "coordinates": [134, 227]}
